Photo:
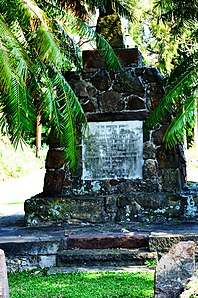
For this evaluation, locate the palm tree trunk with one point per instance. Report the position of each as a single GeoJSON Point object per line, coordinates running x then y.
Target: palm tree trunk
{"type": "Point", "coordinates": [38, 134]}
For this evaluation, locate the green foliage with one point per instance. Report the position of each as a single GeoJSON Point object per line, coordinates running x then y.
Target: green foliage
{"type": "Point", "coordinates": [182, 85]}
{"type": "Point", "coordinates": [180, 98]}
{"type": "Point", "coordinates": [20, 162]}
{"type": "Point", "coordinates": [181, 14]}
{"type": "Point", "coordinates": [35, 51]}
{"type": "Point", "coordinates": [150, 263]}
{"type": "Point", "coordinates": [81, 285]}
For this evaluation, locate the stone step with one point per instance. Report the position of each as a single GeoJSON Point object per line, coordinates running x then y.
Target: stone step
{"type": "Point", "coordinates": [27, 252]}
{"type": "Point", "coordinates": [125, 268]}
{"type": "Point", "coordinates": [162, 242]}
{"type": "Point", "coordinates": [110, 257]}
{"type": "Point", "coordinates": [107, 240]}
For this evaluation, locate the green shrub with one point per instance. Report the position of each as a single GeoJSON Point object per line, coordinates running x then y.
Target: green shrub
{"type": "Point", "coordinates": [20, 162]}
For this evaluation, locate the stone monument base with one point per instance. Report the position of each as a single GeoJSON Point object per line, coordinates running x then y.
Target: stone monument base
{"type": "Point", "coordinates": [139, 206]}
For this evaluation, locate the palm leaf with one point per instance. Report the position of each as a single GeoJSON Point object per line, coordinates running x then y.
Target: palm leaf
{"type": "Point", "coordinates": [14, 54]}
{"type": "Point", "coordinates": [5, 71]}
{"type": "Point", "coordinates": [123, 8]}
{"type": "Point", "coordinates": [184, 120]}
{"type": "Point", "coordinates": [71, 116]}
{"type": "Point", "coordinates": [181, 14]}
{"type": "Point", "coordinates": [19, 112]}
{"type": "Point", "coordinates": [47, 47]}
{"type": "Point", "coordinates": [182, 81]}
{"type": "Point", "coordinates": [60, 108]}
{"type": "Point", "coordinates": [104, 48]}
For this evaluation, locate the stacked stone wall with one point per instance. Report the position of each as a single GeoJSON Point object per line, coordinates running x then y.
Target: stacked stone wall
{"type": "Point", "coordinates": [113, 96]}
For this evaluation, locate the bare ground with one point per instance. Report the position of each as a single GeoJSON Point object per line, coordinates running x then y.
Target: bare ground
{"type": "Point", "coordinates": [14, 192]}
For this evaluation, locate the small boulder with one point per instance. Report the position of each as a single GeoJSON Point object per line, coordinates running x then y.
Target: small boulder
{"type": "Point", "coordinates": [175, 270]}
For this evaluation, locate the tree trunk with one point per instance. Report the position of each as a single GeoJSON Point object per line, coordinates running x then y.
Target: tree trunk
{"type": "Point", "coordinates": [38, 134]}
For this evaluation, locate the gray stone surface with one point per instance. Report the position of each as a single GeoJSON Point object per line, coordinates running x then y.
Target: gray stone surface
{"type": "Point", "coordinates": [4, 290]}
{"type": "Point", "coordinates": [30, 245]}
{"type": "Point", "coordinates": [120, 269]}
{"type": "Point", "coordinates": [111, 257]}
{"type": "Point", "coordinates": [64, 209]}
{"type": "Point", "coordinates": [46, 256]}
{"type": "Point", "coordinates": [162, 242]}
{"type": "Point", "coordinates": [174, 270]}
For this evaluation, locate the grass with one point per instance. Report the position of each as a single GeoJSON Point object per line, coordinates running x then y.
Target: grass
{"type": "Point", "coordinates": [81, 285]}
{"type": "Point", "coordinates": [20, 162]}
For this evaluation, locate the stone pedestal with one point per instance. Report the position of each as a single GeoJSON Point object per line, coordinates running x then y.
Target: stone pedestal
{"type": "Point", "coordinates": [122, 166]}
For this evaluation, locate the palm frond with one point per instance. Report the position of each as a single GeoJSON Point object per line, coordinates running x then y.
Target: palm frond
{"type": "Point", "coordinates": [104, 48]}
{"type": "Point", "coordinates": [60, 108]}
{"type": "Point", "coordinates": [19, 112]}
{"type": "Point", "coordinates": [183, 120]}
{"type": "Point", "coordinates": [72, 116]}
{"type": "Point", "coordinates": [123, 8]}
{"type": "Point", "coordinates": [14, 52]}
{"type": "Point", "coordinates": [75, 6]}
{"type": "Point", "coordinates": [181, 82]}
{"type": "Point", "coordinates": [48, 49]}
{"type": "Point", "coordinates": [181, 14]}
{"type": "Point", "coordinates": [5, 71]}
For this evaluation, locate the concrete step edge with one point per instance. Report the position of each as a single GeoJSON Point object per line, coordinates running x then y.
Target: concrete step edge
{"type": "Point", "coordinates": [118, 269]}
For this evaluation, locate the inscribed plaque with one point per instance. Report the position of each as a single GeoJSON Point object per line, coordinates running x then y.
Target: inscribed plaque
{"type": "Point", "coordinates": [113, 150]}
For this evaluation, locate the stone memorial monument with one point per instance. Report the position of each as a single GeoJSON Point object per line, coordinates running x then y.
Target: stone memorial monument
{"type": "Point", "coordinates": [124, 172]}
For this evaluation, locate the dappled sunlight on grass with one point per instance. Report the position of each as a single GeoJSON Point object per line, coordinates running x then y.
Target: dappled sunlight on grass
{"type": "Point", "coordinates": [82, 285]}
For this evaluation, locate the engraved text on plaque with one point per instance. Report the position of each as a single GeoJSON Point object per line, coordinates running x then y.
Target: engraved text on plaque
{"type": "Point", "coordinates": [113, 150]}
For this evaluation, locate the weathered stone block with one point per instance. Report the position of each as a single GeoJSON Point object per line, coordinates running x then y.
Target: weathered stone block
{"type": "Point", "coordinates": [83, 89]}
{"type": "Point", "coordinates": [150, 201]}
{"type": "Point", "coordinates": [53, 141]}
{"type": "Point", "coordinates": [127, 57]}
{"type": "Point", "coordinates": [103, 257]}
{"type": "Point", "coordinates": [149, 151]}
{"type": "Point", "coordinates": [154, 95]}
{"type": "Point", "coordinates": [111, 204]}
{"type": "Point", "coordinates": [47, 261]}
{"type": "Point", "coordinates": [31, 246]}
{"type": "Point", "coordinates": [150, 74]}
{"type": "Point", "coordinates": [102, 80]}
{"type": "Point", "coordinates": [54, 159]}
{"type": "Point", "coordinates": [152, 207]}
{"type": "Point", "coordinates": [128, 84]}
{"type": "Point", "coordinates": [162, 242]}
{"type": "Point", "coordinates": [110, 101]}
{"type": "Point", "coordinates": [128, 209]}
{"type": "Point", "coordinates": [150, 169]}
{"type": "Point", "coordinates": [110, 240]}
{"type": "Point", "coordinates": [174, 270]}
{"type": "Point", "coordinates": [64, 209]}
{"type": "Point", "coordinates": [167, 158]}
{"type": "Point", "coordinates": [89, 105]}
{"type": "Point", "coordinates": [158, 135]}
{"type": "Point", "coordinates": [134, 102]}
{"type": "Point", "coordinates": [171, 180]}
{"type": "Point", "coordinates": [53, 182]}
{"type": "Point", "coordinates": [4, 290]}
